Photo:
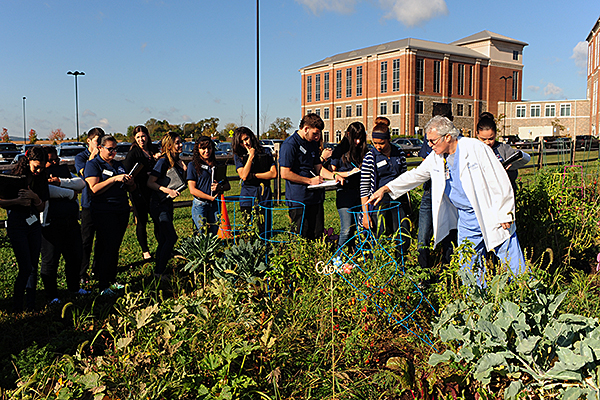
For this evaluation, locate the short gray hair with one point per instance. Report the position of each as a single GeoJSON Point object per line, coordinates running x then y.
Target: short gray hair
{"type": "Point", "coordinates": [443, 127]}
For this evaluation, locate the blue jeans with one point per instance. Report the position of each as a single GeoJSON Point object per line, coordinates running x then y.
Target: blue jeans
{"type": "Point", "coordinates": [347, 227]}
{"type": "Point", "coordinates": [425, 220]}
{"type": "Point", "coordinates": [206, 212]}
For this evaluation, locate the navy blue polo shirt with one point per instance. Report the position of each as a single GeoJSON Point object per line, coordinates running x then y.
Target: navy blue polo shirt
{"type": "Point", "coordinates": [81, 160]}
{"type": "Point", "coordinates": [348, 194]}
{"type": "Point", "coordinates": [387, 169]}
{"type": "Point", "coordinates": [203, 178]}
{"type": "Point", "coordinates": [160, 171]}
{"type": "Point", "coordinates": [301, 156]}
{"type": "Point", "coordinates": [252, 187]}
{"type": "Point", "coordinates": [115, 197]}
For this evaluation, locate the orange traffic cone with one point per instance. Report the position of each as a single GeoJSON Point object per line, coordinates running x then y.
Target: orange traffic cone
{"type": "Point", "coordinates": [224, 227]}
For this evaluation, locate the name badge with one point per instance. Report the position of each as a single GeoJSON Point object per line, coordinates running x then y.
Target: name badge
{"type": "Point", "coordinates": [107, 172]}
{"type": "Point", "coordinates": [381, 163]}
{"type": "Point", "coordinates": [31, 220]}
{"type": "Point", "coordinates": [303, 150]}
{"type": "Point", "coordinates": [204, 166]}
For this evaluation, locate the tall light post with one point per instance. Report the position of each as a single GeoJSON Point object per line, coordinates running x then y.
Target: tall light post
{"type": "Point", "coordinates": [506, 78]}
{"type": "Point", "coordinates": [76, 74]}
{"type": "Point", "coordinates": [24, 124]}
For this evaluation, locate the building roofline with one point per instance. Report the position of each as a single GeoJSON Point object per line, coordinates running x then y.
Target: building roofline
{"type": "Point", "coordinates": [595, 28]}
{"type": "Point", "coordinates": [487, 35]}
{"type": "Point", "coordinates": [402, 44]}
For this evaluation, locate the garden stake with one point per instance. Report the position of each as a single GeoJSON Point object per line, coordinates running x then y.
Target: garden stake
{"type": "Point", "coordinates": [332, 340]}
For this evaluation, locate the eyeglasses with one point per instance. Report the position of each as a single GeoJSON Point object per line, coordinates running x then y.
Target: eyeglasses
{"type": "Point", "coordinates": [434, 142]}
{"type": "Point", "coordinates": [111, 149]}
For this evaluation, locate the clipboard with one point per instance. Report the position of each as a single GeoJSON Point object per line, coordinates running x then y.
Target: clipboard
{"type": "Point", "coordinates": [218, 174]}
{"type": "Point", "coordinates": [135, 170]}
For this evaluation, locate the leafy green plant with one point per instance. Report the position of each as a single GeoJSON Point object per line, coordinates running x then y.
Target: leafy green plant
{"type": "Point", "coordinates": [520, 345]}
{"type": "Point", "coordinates": [245, 260]}
{"type": "Point", "coordinates": [200, 251]}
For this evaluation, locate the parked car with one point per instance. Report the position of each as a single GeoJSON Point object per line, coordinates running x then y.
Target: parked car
{"type": "Point", "coordinates": [8, 151]}
{"type": "Point", "coordinates": [524, 144]}
{"type": "Point", "coordinates": [223, 149]}
{"type": "Point", "coordinates": [122, 150]}
{"type": "Point", "coordinates": [188, 148]}
{"type": "Point", "coordinates": [72, 144]}
{"type": "Point", "coordinates": [511, 140]}
{"type": "Point", "coordinates": [68, 153]}
{"type": "Point", "coordinates": [586, 142]}
{"type": "Point", "coordinates": [408, 145]}
{"type": "Point", "coordinates": [560, 143]}
{"type": "Point", "coordinates": [268, 144]}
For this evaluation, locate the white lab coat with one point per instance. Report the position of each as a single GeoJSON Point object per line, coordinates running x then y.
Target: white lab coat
{"type": "Point", "coordinates": [484, 181]}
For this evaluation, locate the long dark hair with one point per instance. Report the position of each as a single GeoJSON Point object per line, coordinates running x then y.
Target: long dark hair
{"type": "Point", "coordinates": [144, 130]}
{"type": "Point", "coordinates": [486, 121]}
{"type": "Point", "coordinates": [33, 154]}
{"type": "Point", "coordinates": [238, 146]}
{"type": "Point", "coordinates": [356, 153]}
{"type": "Point", "coordinates": [168, 148]}
{"type": "Point", "coordinates": [204, 142]}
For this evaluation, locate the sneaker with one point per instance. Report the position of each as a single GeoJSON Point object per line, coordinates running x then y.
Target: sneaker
{"type": "Point", "coordinates": [81, 292]}
{"type": "Point", "coordinates": [117, 286]}
{"type": "Point", "coordinates": [108, 292]}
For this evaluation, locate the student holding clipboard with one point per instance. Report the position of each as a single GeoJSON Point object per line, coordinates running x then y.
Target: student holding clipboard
{"type": "Point", "coordinates": [256, 167]}
{"type": "Point", "coordinates": [165, 182]}
{"type": "Point", "coordinates": [206, 180]}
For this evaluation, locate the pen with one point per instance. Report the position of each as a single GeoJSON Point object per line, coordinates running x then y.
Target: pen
{"type": "Point", "coordinates": [353, 164]}
{"type": "Point", "coordinates": [312, 173]}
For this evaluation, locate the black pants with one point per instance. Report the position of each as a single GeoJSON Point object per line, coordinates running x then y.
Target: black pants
{"type": "Point", "coordinates": [110, 228]}
{"type": "Point", "coordinates": [26, 241]}
{"type": "Point", "coordinates": [312, 225]}
{"type": "Point", "coordinates": [162, 214]}
{"type": "Point", "coordinates": [61, 237]}
{"type": "Point", "coordinates": [87, 241]}
{"type": "Point", "coordinates": [141, 209]}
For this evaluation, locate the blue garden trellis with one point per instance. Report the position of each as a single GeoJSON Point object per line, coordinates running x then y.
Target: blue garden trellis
{"type": "Point", "coordinates": [373, 281]}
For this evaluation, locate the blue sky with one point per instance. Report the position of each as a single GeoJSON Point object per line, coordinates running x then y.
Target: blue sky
{"type": "Point", "coordinates": [188, 60]}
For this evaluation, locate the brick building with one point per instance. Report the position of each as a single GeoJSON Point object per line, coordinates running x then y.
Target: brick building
{"type": "Point", "coordinates": [593, 66]}
{"type": "Point", "coordinates": [403, 79]}
{"type": "Point", "coordinates": [530, 119]}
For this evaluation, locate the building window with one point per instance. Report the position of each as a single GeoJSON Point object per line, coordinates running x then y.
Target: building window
{"type": "Point", "coordinates": [515, 85]}
{"type": "Point", "coordinates": [308, 89]}
{"type": "Point", "coordinates": [326, 86]}
{"type": "Point", "coordinates": [521, 110]}
{"type": "Point", "coordinates": [565, 110]}
{"type": "Point", "coordinates": [348, 82]}
{"type": "Point", "coordinates": [461, 80]}
{"type": "Point", "coordinates": [383, 108]}
{"type": "Point", "coordinates": [470, 80]}
{"type": "Point", "coordinates": [450, 73]}
{"type": "Point", "coordinates": [459, 110]}
{"type": "Point", "coordinates": [309, 111]}
{"type": "Point", "coordinates": [535, 110]}
{"type": "Point", "coordinates": [419, 107]}
{"type": "Point", "coordinates": [338, 84]}
{"type": "Point", "coordinates": [437, 71]}
{"type": "Point", "coordinates": [396, 107]}
{"type": "Point", "coordinates": [384, 77]}
{"type": "Point", "coordinates": [348, 111]}
{"type": "Point", "coordinates": [359, 81]}
{"type": "Point", "coordinates": [318, 87]}
{"type": "Point", "coordinates": [420, 75]}
{"type": "Point", "coordinates": [515, 55]}
{"type": "Point", "coordinates": [359, 110]}
{"type": "Point", "coordinates": [318, 111]}
{"type": "Point", "coordinates": [550, 110]}
{"type": "Point", "coordinates": [469, 110]}
{"type": "Point", "coordinates": [395, 131]}
{"type": "Point", "coordinates": [338, 136]}
{"type": "Point", "coordinates": [326, 113]}
{"type": "Point", "coordinates": [396, 75]}
{"type": "Point", "coordinates": [338, 112]}
{"type": "Point", "coordinates": [326, 136]}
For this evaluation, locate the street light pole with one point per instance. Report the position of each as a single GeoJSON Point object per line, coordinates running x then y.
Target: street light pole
{"type": "Point", "coordinates": [24, 124]}
{"type": "Point", "coordinates": [76, 74]}
{"type": "Point", "coordinates": [506, 78]}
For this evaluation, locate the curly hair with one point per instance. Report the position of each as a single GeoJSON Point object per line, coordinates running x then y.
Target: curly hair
{"type": "Point", "coordinates": [204, 142]}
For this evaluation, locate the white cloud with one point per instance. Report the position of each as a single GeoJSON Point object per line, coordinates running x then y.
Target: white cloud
{"type": "Point", "coordinates": [413, 12]}
{"type": "Point", "coordinates": [103, 122]}
{"type": "Point", "coordinates": [580, 56]}
{"type": "Point", "coordinates": [533, 88]}
{"type": "Point", "coordinates": [186, 117]}
{"type": "Point", "coordinates": [553, 91]}
{"type": "Point", "coordinates": [88, 113]}
{"type": "Point", "coordinates": [144, 46]}
{"type": "Point", "coordinates": [318, 6]}
{"type": "Point", "coordinates": [146, 110]}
